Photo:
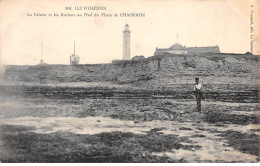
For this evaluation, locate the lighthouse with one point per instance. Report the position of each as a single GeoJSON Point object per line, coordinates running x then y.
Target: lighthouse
{"type": "Point", "coordinates": [126, 43]}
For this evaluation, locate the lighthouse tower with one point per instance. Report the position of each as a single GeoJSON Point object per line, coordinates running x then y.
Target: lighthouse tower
{"type": "Point", "coordinates": [126, 43]}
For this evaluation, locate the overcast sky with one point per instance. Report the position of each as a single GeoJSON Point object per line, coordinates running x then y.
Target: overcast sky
{"type": "Point", "coordinates": [99, 39]}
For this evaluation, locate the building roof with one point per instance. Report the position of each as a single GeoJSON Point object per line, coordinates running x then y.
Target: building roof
{"type": "Point", "coordinates": [177, 46]}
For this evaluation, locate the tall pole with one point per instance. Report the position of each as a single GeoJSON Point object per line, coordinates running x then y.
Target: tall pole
{"type": "Point", "coordinates": [74, 48]}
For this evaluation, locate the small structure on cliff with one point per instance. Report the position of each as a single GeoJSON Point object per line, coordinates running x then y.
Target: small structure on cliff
{"type": "Point", "coordinates": [120, 61]}
{"type": "Point", "coordinates": [138, 57]}
{"type": "Point", "coordinates": [74, 59]}
{"type": "Point", "coordinates": [179, 49]}
{"type": "Point", "coordinates": [126, 43]}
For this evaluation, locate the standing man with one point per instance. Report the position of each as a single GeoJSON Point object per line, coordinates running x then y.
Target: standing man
{"type": "Point", "coordinates": [198, 93]}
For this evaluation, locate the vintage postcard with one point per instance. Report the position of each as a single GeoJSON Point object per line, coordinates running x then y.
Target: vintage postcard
{"type": "Point", "coordinates": [140, 81]}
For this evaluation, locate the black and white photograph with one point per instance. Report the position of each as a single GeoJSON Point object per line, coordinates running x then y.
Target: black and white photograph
{"type": "Point", "coordinates": [140, 81]}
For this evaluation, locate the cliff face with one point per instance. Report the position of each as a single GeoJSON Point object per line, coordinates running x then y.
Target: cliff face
{"type": "Point", "coordinates": [155, 71]}
{"type": "Point", "coordinates": [224, 70]}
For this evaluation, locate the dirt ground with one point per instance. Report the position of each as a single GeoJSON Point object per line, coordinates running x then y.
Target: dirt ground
{"type": "Point", "coordinates": [73, 124]}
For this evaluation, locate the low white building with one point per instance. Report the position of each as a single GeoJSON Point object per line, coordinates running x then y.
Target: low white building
{"type": "Point", "coordinates": [179, 49]}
